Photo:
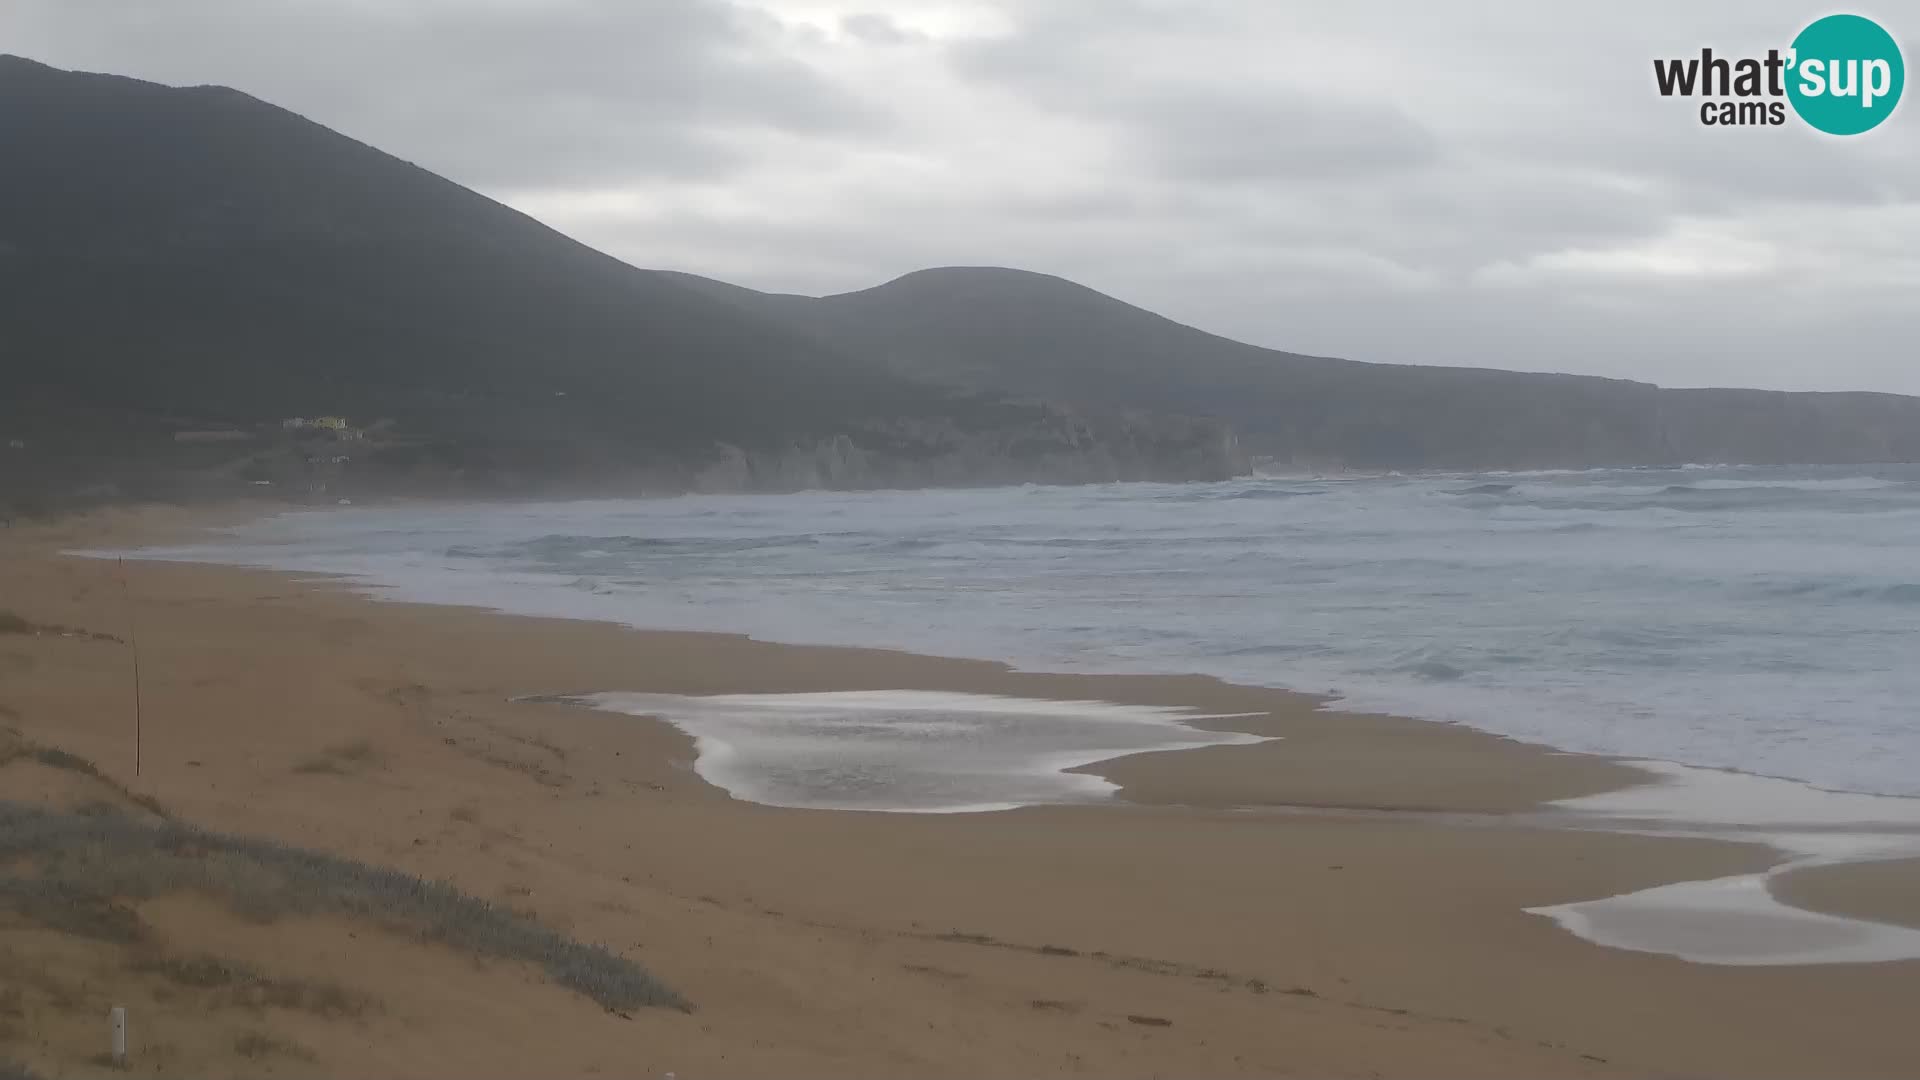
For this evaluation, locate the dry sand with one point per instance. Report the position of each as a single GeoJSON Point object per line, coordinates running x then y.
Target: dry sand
{"type": "Point", "coordinates": [1169, 933]}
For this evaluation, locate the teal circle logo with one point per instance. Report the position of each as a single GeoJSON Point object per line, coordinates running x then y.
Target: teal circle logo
{"type": "Point", "coordinates": [1846, 74]}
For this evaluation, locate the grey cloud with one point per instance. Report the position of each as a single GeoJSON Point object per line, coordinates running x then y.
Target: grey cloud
{"type": "Point", "coordinates": [500, 95]}
{"type": "Point", "coordinates": [1054, 44]}
{"type": "Point", "coordinates": [1346, 170]}
{"type": "Point", "coordinates": [1276, 135]}
{"type": "Point", "coordinates": [1072, 56]}
{"type": "Point", "coordinates": [1470, 217]}
{"type": "Point", "coordinates": [1711, 171]}
{"type": "Point", "coordinates": [876, 29]}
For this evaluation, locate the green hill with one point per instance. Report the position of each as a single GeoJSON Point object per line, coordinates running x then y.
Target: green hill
{"type": "Point", "coordinates": [182, 259]}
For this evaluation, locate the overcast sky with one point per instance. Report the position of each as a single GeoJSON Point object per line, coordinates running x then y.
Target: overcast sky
{"type": "Point", "coordinates": [1496, 184]}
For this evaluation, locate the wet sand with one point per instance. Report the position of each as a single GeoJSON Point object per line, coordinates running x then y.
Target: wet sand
{"type": "Point", "coordinates": [1171, 932]}
{"type": "Point", "coordinates": [1884, 891]}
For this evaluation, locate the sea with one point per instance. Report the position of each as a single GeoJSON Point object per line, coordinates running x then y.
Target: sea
{"type": "Point", "coordinates": [1749, 637]}
{"type": "Point", "coordinates": [1763, 619]}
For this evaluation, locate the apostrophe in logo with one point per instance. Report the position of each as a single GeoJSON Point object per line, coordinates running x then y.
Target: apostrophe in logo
{"type": "Point", "coordinates": [1848, 75]}
{"type": "Point", "coordinates": [1843, 75]}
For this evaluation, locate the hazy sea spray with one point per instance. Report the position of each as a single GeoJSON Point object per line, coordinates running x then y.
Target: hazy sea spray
{"type": "Point", "coordinates": [1757, 618]}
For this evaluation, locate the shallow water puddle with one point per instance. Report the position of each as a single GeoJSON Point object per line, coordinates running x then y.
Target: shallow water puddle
{"type": "Point", "coordinates": [1736, 920]}
{"type": "Point", "coordinates": [1732, 920]}
{"type": "Point", "coordinates": [912, 751]}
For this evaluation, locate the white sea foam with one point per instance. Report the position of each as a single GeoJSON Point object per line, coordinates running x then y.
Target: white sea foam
{"type": "Point", "coordinates": [1731, 921]}
{"type": "Point", "coordinates": [912, 751]}
{"type": "Point", "coordinates": [1736, 920]}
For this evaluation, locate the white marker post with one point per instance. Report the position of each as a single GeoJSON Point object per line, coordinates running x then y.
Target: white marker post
{"type": "Point", "coordinates": [118, 1018]}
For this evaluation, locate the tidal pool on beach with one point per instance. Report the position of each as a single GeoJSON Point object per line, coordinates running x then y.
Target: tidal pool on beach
{"type": "Point", "coordinates": [911, 751]}
{"type": "Point", "coordinates": [1738, 920]}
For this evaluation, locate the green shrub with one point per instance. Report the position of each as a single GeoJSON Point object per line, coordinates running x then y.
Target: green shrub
{"type": "Point", "coordinates": [85, 865]}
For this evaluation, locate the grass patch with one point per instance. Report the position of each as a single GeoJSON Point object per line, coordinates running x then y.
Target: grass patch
{"type": "Point", "coordinates": [258, 1044]}
{"type": "Point", "coordinates": [197, 972]}
{"type": "Point", "coordinates": [55, 758]}
{"type": "Point", "coordinates": [60, 906]}
{"type": "Point", "coordinates": [245, 987]}
{"type": "Point", "coordinates": [84, 866]}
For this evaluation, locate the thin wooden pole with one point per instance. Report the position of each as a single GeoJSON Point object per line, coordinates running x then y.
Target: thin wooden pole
{"type": "Point", "coordinates": [133, 642]}
{"type": "Point", "coordinates": [118, 1020]}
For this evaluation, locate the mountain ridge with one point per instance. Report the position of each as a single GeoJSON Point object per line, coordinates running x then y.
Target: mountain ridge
{"type": "Point", "coordinates": [1042, 335]}
{"type": "Point", "coordinates": [190, 258]}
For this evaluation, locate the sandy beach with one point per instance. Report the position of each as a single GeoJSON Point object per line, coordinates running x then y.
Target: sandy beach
{"type": "Point", "coordinates": [1344, 901]}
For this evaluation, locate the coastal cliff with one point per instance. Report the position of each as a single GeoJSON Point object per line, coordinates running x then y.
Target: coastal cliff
{"type": "Point", "coordinates": [1054, 448]}
{"type": "Point", "coordinates": [1031, 444]}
